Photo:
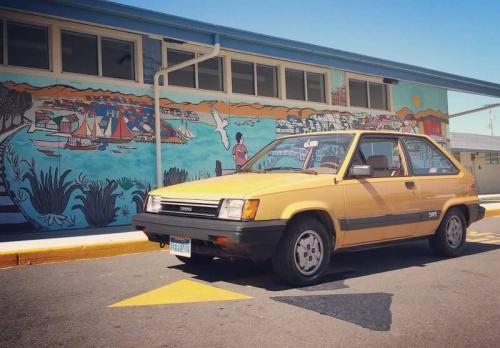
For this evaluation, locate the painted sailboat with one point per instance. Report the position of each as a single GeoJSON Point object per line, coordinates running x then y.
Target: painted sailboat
{"type": "Point", "coordinates": [184, 132]}
{"type": "Point", "coordinates": [80, 139]}
{"type": "Point", "coordinates": [96, 130]}
{"type": "Point", "coordinates": [121, 134]}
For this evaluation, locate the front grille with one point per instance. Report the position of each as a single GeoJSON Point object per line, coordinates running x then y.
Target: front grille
{"type": "Point", "coordinates": [190, 207]}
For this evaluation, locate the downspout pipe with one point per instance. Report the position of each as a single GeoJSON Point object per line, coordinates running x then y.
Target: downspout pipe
{"type": "Point", "coordinates": [156, 92]}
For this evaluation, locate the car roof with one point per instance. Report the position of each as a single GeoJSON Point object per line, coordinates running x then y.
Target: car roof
{"type": "Point", "coordinates": [355, 132]}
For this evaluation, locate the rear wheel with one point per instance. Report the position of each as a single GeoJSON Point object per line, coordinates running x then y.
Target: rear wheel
{"type": "Point", "coordinates": [195, 259]}
{"type": "Point", "coordinates": [449, 239]}
{"type": "Point", "coordinates": [303, 253]}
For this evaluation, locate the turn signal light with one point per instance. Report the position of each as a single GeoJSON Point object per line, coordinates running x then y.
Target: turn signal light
{"type": "Point", "coordinates": [220, 240]}
{"type": "Point", "coordinates": [250, 209]}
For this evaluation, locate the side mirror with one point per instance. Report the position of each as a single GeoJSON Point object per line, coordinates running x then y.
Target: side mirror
{"type": "Point", "coordinates": [361, 171]}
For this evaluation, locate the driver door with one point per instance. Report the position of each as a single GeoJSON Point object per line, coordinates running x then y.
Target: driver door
{"type": "Point", "coordinates": [382, 207]}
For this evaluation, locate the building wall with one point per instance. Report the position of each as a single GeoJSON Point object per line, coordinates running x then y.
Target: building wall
{"type": "Point", "coordinates": [486, 174]}
{"type": "Point", "coordinates": [47, 183]}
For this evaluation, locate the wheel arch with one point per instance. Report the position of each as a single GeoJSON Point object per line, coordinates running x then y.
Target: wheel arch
{"type": "Point", "coordinates": [322, 216]}
{"type": "Point", "coordinates": [463, 208]}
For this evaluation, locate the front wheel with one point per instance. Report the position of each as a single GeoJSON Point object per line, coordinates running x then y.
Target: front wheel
{"type": "Point", "coordinates": [303, 252]}
{"type": "Point", "coordinates": [195, 259]}
{"type": "Point", "coordinates": [449, 239]}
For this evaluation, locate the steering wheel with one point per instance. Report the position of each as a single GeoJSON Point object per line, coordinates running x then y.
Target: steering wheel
{"type": "Point", "coordinates": [331, 165]}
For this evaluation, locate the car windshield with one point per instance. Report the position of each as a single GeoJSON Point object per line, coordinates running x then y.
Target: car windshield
{"type": "Point", "coordinates": [313, 154]}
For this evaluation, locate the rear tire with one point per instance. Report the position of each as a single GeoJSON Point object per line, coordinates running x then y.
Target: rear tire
{"type": "Point", "coordinates": [195, 259]}
{"type": "Point", "coordinates": [449, 239]}
{"type": "Point", "coordinates": [303, 253]}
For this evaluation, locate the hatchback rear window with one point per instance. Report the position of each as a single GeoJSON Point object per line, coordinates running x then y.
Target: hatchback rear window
{"type": "Point", "coordinates": [427, 159]}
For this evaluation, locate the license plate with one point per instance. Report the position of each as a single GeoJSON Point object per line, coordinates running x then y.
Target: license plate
{"type": "Point", "coordinates": [180, 246]}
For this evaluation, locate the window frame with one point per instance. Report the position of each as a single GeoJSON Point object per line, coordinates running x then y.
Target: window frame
{"type": "Point", "coordinates": [255, 65]}
{"type": "Point", "coordinates": [196, 51]}
{"type": "Point", "coordinates": [61, 30]}
{"type": "Point", "coordinates": [4, 22]}
{"type": "Point", "coordinates": [432, 145]}
{"type": "Point", "coordinates": [306, 93]}
{"type": "Point", "coordinates": [369, 79]}
{"type": "Point", "coordinates": [93, 31]}
{"type": "Point", "coordinates": [163, 57]}
{"type": "Point", "coordinates": [403, 153]}
{"type": "Point", "coordinates": [488, 158]}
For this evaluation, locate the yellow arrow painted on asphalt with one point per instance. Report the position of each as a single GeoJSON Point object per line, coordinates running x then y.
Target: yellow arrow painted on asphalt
{"type": "Point", "coordinates": [182, 291]}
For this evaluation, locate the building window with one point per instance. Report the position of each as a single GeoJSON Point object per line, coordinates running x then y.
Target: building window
{"type": "Point", "coordinates": [366, 94]}
{"type": "Point", "coordinates": [254, 79]}
{"type": "Point", "coordinates": [27, 45]}
{"type": "Point", "coordinates": [492, 158]}
{"type": "Point", "coordinates": [79, 53]}
{"type": "Point", "coordinates": [315, 87]}
{"type": "Point", "coordinates": [456, 155]}
{"type": "Point", "coordinates": [211, 75]}
{"type": "Point", "coordinates": [117, 58]}
{"type": "Point", "coordinates": [183, 77]}
{"type": "Point", "coordinates": [151, 58]}
{"type": "Point", "coordinates": [207, 74]}
{"type": "Point", "coordinates": [267, 81]}
{"type": "Point", "coordinates": [301, 85]}
{"type": "Point", "coordinates": [295, 84]}
{"type": "Point", "coordinates": [242, 74]}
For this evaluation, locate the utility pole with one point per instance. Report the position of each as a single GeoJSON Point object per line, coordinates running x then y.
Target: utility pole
{"type": "Point", "coordinates": [492, 123]}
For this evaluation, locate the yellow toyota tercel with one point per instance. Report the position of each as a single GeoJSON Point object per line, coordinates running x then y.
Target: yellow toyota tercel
{"type": "Point", "coordinates": [304, 196]}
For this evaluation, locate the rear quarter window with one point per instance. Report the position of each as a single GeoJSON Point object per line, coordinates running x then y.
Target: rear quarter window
{"type": "Point", "coordinates": [427, 159]}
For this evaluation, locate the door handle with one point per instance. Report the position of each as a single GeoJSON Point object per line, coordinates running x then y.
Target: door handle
{"type": "Point", "coordinates": [410, 185]}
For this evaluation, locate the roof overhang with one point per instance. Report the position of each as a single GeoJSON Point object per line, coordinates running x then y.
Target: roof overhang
{"type": "Point", "coordinates": [141, 20]}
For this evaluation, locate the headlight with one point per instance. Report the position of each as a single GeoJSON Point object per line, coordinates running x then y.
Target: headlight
{"type": "Point", "coordinates": [153, 204]}
{"type": "Point", "coordinates": [239, 209]}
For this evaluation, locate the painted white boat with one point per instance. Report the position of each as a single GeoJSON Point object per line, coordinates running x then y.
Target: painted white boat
{"type": "Point", "coordinates": [49, 143]}
{"type": "Point", "coordinates": [185, 131]}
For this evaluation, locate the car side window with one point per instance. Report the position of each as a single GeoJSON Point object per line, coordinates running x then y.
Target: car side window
{"type": "Point", "coordinates": [427, 159]}
{"type": "Point", "coordinates": [382, 154]}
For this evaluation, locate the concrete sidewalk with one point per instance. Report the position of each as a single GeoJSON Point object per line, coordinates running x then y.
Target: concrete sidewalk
{"type": "Point", "coordinates": [493, 198]}
{"type": "Point", "coordinates": [46, 247]}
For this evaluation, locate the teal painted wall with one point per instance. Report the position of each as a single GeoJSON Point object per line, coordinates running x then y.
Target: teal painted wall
{"type": "Point", "coordinates": [419, 97]}
{"type": "Point", "coordinates": [48, 183]}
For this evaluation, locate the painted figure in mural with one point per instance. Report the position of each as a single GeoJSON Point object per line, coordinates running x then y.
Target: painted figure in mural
{"type": "Point", "coordinates": [240, 152]}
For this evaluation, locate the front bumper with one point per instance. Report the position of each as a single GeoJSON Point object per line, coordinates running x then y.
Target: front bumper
{"type": "Point", "coordinates": [256, 240]}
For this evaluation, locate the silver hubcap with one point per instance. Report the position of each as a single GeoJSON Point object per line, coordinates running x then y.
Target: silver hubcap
{"type": "Point", "coordinates": [454, 231]}
{"type": "Point", "coordinates": [308, 252]}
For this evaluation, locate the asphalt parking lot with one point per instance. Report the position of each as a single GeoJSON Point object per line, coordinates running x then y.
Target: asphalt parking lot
{"type": "Point", "coordinates": [400, 295]}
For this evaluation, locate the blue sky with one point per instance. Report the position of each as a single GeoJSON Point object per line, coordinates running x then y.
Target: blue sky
{"type": "Point", "coordinates": [460, 37]}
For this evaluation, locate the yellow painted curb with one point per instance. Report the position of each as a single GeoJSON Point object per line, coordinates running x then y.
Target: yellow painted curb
{"type": "Point", "coordinates": [492, 212]}
{"type": "Point", "coordinates": [69, 253]}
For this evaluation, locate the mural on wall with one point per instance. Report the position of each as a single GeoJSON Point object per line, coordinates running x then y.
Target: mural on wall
{"type": "Point", "coordinates": [74, 156]}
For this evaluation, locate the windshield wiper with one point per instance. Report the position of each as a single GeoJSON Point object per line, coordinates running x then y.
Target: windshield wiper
{"type": "Point", "coordinates": [249, 171]}
{"type": "Point", "coordinates": [306, 171]}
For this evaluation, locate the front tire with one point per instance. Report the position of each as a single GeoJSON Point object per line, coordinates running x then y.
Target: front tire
{"type": "Point", "coordinates": [303, 253]}
{"type": "Point", "coordinates": [195, 259]}
{"type": "Point", "coordinates": [449, 240]}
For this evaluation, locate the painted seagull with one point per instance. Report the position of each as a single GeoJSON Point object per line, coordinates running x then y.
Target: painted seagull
{"type": "Point", "coordinates": [220, 127]}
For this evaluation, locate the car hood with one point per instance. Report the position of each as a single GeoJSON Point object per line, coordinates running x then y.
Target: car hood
{"type": "Point", "coordinates": [243, 185]}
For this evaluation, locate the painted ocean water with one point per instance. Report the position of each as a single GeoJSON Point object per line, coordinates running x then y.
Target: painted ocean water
{"type": "Point", "coordinates": [132, 165]}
